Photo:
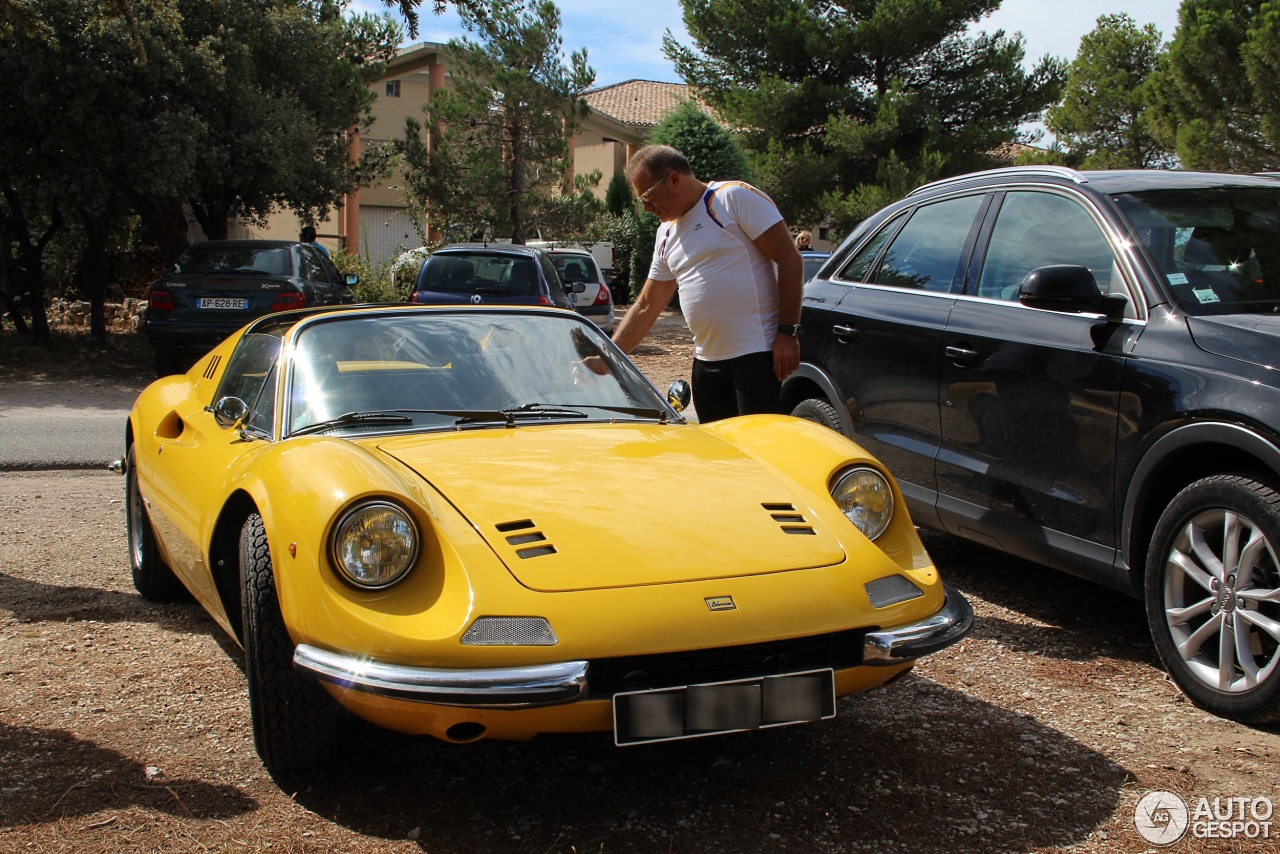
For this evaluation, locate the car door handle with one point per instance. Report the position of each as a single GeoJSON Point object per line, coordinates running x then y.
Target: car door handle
{"type": "Point", "coordinates": [844, 333]}
{"type": "Point", "coordinates": [961, 356]}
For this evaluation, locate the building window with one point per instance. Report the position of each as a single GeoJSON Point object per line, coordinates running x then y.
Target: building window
{"type": "Point", "coordinates": [393, 88]}
{"type": "Point", "coordinates": [822, 233]}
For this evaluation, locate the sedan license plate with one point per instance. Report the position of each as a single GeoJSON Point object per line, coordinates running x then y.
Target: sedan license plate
{"type": "Point", "coordinates": [233, 303]}
{"type": "Point", "coordinates": [693, 711]}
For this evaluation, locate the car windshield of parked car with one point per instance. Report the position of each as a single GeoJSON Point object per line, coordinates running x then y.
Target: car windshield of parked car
{"type": "Point", "coordinates": [812, 264]}
{"type": "Point", "coordinates": [480, 273]}
{"type": "Point", "coordinates": [1218, 248]}
{"type": "Point", "coordinates": [442, 370]}
{"type": "Point", "coordinates": [212, 258]}
{"type": "Point", "coordinates": [575, 268]}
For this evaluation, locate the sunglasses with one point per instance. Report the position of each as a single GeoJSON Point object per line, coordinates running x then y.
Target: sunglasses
{"type": "Point", "coordinates": [644, 197]}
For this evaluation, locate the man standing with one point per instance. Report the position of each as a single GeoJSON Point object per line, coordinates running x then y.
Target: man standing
{"type": "Point", "coordinates": [719, 242]}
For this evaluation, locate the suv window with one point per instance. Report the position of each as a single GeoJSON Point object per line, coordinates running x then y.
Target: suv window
{"type": "Point", "coordinates": [1036, 229]}
{"type": "Point", "coordinates": [927, 252]}
{"type": "Point", "coordinates": [860, 266]}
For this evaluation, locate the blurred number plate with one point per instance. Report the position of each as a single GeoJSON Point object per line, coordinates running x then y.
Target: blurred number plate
{"type": "Point", "coordinates": [667, 714]}
{"type": "Point", "coordinates": [222, 302]}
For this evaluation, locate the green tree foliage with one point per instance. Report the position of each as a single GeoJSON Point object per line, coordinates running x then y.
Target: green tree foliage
{"type": "Point", "coordinates": [835, 97]}
{"type": "Point", "coordinates": [618, 198]}
{"type": "Point", "coordinates": [230, 106]}
{"type": "Point", "coordinates": [498, 155]}
{"type": "Point", "coordinates": [712, 152]}
{"type": "Point", "coordinates": [1213, 99]}
{"type": "Point", "coordinates": [1102, 117]}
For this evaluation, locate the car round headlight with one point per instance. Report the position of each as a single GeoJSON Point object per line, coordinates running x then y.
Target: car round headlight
{"type": "Point", "coordinates": [375, 545]}
{"type": "Point", "coordinates": [866, 499]}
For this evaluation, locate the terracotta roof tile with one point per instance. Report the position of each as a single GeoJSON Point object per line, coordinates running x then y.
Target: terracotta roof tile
{"type": "Point", "coordinates": [641, 103]}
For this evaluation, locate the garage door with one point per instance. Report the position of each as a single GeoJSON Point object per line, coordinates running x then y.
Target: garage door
{"type": "Point", "coordinates": [385, 233]}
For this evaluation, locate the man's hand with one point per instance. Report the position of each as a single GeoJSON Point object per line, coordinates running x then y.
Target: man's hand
{"type": "Point", "coordinates": [786, 355]}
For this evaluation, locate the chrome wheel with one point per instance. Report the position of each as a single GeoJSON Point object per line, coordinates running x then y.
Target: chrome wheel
{"type": "Point", "coordinates": [1214, 596]}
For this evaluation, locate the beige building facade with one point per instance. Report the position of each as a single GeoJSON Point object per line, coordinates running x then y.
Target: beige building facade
{"type": "Point", "coordinates": [373, 221]}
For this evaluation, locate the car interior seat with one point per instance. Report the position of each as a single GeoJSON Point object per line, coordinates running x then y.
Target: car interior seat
{"type": "Point", "coordinates": [575, 271]}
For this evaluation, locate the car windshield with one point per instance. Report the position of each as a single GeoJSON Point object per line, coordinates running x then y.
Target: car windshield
{"type": "Point", "coordinates": [1217, 248]}
{"type": "Point", "coordinates": [812, 264]}
{"type": "Point", "coordinates": [452, 370]}
{"type": "Point", "coordinates": [574, 268]}
{"type": "Point", "coordinates": [480, 273]}
{"type": "Point", "coordinates": [212, 258]}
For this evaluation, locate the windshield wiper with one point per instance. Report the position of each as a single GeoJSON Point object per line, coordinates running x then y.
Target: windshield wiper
{"type": "Point", "coordinates": [567, 409]}
{"type": "Point", "coordinates": [349, 418]}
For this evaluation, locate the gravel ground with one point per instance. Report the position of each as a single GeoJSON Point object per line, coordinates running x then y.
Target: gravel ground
{"type": "Point", "coordinates": [124, 727]}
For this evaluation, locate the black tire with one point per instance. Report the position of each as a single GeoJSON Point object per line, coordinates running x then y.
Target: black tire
{"type": "Point", "coordinates": [294, 719]}
{"type": "Point", "coordinates": [152, 578]}
{"type": "Point", "coordinates": [819, 412]}
{"type": "Point", "coordinates": [1191, 611]}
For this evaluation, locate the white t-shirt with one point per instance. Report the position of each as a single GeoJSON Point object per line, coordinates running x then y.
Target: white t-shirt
{"type": "Point", "coordinates": [728, 287]}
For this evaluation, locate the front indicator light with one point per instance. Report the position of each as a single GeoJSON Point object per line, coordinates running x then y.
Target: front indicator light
{"type": "Point", "coordinates": [866, 500]}
{"type": "Point", "coordinates": [375, 545]}
{"type": "Point", "coordinates": [510, 631]}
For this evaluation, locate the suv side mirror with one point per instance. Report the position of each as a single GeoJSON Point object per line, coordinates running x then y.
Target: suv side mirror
{"type": "Point", "coordinates": [1068, 287]}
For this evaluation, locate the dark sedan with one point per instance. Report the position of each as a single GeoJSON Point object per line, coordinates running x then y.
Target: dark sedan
{"type": "Point", "coordinates": [1080, 369]}
{"type": "Point", "coordinates": [218, 286]}
{"type": "Point", "coordinates": [491, 274]}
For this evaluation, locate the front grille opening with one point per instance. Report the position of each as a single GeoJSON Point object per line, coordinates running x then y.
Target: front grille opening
{"type": "Point", "coordinates": [779, 508]}
{"type": "Point", "coordinates": [536, 551]}
{"type": "Point", "coordinates": [799, 529]}
{"type": "Point", "coordinates": [837, 650]}
{"type": "Point", "coordinates": [520, 525]}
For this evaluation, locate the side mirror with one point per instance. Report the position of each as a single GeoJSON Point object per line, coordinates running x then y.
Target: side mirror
{"type": "Point", "coordinates": [352, 280]}
{"type": "Point", "coordinates": [679, 395]}
{"type": "Point", "coordinates": [577, 288]}
{"type": "Point", "coordinates": [230, 412]}
{"type": "Point", "coordinates": [1069, 288]}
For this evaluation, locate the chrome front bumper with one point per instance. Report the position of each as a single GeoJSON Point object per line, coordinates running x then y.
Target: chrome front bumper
{"type": "Point", "coordinates": [907, 643]}
{"type": "Point", "coordinates": [566, 681]}
{"type": "Point", "coordinates": [490, 688]}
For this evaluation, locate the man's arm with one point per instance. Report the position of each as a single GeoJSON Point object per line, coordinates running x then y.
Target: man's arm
{"type": "Point", "coordinates": [775, 242]}
{"type": "Point", "coordinates": [639, 319]}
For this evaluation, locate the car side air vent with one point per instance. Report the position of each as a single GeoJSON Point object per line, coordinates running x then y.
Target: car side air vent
{"type": "Point", "coordinates": [522, 533]}
{"type": "Point", "coordinates": [212, 368]}
{"type": "Point", "coordinates": [789, 519]}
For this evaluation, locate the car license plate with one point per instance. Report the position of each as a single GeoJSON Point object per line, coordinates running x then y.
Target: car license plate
{"type": "Point", "coordinates": [233, 303]}
{"type": "Point", "coordinates": [693, 711]}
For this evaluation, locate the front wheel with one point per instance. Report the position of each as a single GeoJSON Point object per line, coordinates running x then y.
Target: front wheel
{"type": "Point", "coordinates": [1213, 596]}
{"type": "Point", "coordinates": [818, 411]}
{"type": "Point", "coordinates": [152, 578]}
{"type": "Point", "coordinates": [294, 719]}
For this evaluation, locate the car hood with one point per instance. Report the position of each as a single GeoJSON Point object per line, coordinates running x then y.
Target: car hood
{"type": "Point", "coordinates": [600, 506]}
{"type": "Point", "coordinates": [1248, 337]}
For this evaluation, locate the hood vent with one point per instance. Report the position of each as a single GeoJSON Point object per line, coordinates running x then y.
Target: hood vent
{"type": "Point", "coordinates": [212, 367]}
{"type": "Point", "coordinates": [524, 533]}
{"type": "Point", "coordinates": [789, 519]}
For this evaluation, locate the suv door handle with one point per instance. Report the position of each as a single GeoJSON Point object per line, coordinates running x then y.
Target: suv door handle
{"type": "Point", "coordinates": [961, 356]}
{"type": "Point", "coordinates": [845, 333]}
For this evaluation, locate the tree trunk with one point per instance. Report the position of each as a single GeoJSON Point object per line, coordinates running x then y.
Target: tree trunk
{"type": "Point", "coordinates": [168, 224]}
{"type": "Point", "coordinates": [214, 218]}
{"type": "Point", "coordinates": [514, 186]}
{"type": "Point", "coordinates": [96, 275]}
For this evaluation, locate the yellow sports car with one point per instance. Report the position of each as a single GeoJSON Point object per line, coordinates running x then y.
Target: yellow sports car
{"type": "Point", "coordinates": [483, 522]}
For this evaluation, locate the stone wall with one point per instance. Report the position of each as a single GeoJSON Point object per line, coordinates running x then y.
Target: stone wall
{"type": "Point", "coordinates": [121, 316]}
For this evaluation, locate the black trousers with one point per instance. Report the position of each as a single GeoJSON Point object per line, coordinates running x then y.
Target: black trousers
{"type": "Point", "coordinates": [745, 385]}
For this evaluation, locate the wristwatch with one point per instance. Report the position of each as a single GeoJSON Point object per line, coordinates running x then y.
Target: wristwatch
{"type": "Point", "coordinates": [792, 329]}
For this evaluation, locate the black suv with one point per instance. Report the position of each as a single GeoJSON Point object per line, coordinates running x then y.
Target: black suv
{"type": "Point", "coordinates": [1081, 369]}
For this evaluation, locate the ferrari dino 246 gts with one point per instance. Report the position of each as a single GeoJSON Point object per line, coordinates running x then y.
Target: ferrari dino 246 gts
{"type": "Point", "coordinates": [483, 522]}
